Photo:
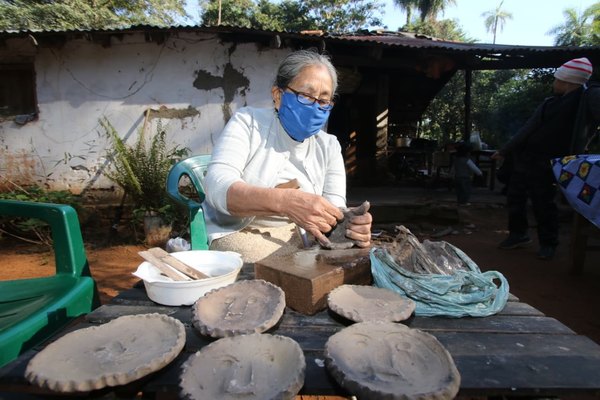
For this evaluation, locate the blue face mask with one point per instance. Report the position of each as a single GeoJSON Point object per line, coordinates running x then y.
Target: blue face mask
{"type": "Point", "coordinates": [300, 121]}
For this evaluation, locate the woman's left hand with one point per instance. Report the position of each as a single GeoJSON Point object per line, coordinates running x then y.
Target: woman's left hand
{"type": "Point", "coordinates": [358, 226]}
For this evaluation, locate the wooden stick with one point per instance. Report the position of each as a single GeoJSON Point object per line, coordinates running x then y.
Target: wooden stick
{"type": "Point", "coordinates": [176, 263]}
{"type": "Point", "coordinates": [164, 268]}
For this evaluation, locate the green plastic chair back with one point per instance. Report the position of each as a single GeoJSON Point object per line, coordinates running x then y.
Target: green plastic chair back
{"type": "Point", "coordinates": [194, 168]}
{"type": "Point", "coordinates": [32, 310]}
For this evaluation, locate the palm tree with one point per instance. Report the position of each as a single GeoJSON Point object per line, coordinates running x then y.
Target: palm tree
{"type": "Point", "coordinates": [495, 19]}
{"type": "Point", "coordinates": [576, 31]}
{"type": "Point", "coordinates": [431, 8]}
{"type": "Point", "coordinates": [408, 6]}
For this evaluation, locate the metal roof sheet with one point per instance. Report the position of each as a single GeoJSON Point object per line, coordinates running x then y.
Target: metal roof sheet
{"type": "Point", "coordinates": [383, 39]}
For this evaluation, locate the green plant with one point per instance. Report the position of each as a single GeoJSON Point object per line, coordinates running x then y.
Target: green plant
{"type": "Point", "coordinates": [33, 230]}
{"type": "Point", "coordinates": [141, 169]}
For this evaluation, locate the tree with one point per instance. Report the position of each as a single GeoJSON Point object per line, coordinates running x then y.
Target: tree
{"type": "Point", "coordinates": [87, 14]}
{"type": "Point", "coordinates": [232, 12]}
{"type": "Point", "coordinates": [447, 29]}
{"type": "Point", "coordinates": [429, 9]}
{"type": "Point", "coordinates": [295, 15]}
{"type": "Point", "coordinates": [495, 19]}
{"type": "Point", "coordinates": [344, 15]}
{"type": "Point", "coordinates": [579, 29]}
{"type": "Point", "coordinates": [288, 15]}
{"type": "Point", "coordinates": [443, 119]}
{"type": "Point", "coordinates": [596, 24]}
{"type": "Point", "coordinates": [408, 6]}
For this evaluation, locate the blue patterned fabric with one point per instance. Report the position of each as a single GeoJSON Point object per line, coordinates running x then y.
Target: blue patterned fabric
{"type": "Point", "coordinates": [579, 179]}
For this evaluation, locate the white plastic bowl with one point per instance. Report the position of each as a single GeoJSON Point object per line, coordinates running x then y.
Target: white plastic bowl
{"type": "Point", "coordinates": [222, 267]}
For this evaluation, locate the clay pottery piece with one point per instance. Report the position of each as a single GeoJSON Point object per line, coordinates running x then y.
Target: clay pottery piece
{"type": "Point", "coordinates": [385, 360]}
{"type": "Point", "coordinates": [361, 303]}
{"type": "Point", "coordinates": [251, 306]}
{"type": "Point", "coordinates": [115, 353]}
{"type": "Point", "coordinates": [245, 367]}
{"type": "Point", "coordinates": [337, 236]}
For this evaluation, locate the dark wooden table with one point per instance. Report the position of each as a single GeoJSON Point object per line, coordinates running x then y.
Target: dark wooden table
{"type": "Point", "coordinates": [518, 352]}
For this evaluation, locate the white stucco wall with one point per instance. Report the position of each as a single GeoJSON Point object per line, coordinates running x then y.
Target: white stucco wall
{"type": "Point", "coordinates": [82, 81]}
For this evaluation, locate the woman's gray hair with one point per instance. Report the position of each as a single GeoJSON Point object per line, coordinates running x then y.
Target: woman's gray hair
{"type": "Point", "coordinates": [294, 62]}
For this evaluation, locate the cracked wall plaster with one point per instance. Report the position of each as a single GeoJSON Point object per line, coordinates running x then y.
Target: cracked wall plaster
{"type": "Point", "coordinates": [231, 81]}
{"type": "Point", "coordinates": [192, 82]}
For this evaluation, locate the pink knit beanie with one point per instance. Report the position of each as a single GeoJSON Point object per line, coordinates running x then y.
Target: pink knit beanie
{"type": "Point", "coordinates": [576, 71]}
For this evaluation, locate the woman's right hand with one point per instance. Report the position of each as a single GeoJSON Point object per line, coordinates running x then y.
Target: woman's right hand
{"type": "Point", "coordinates": [309, 211]}
{"type": "Point", "coordinates": [497, 156]}
{"type": "Point", "coordinates": [312, 212]}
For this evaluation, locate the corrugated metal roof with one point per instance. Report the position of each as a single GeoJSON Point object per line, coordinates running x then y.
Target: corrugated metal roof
{"type": "Point", "coordinates": [380, 39]}
{"type": "Point", "coordinates": [407, 39]}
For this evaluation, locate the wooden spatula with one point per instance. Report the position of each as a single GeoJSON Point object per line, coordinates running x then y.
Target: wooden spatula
{"type": "Point", "coordinates": [166, 258]}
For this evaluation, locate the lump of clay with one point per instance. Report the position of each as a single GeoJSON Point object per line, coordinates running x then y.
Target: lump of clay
{"type": "Point", "coordinates": [116, 353]}
{"type": "Point", "coordinates": [250, 306]}
{"type": "Point", "coordinates": [386, 360]}
{"type": "Point", "coordinates": [337, 236]}
{"type": "Point", "coordinates": [361, 303]}
{"type": "Point", "coordinates": [246, 367]}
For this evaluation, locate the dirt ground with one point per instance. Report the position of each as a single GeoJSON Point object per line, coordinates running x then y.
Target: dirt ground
{"type": "Point", "coordinates": [546, 285]}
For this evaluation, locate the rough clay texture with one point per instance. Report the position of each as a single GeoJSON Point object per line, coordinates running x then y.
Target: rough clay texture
{"type": "Point", "coordinates": [360, 303]}
{"type": "Point", "coordinates": [116, 353]}
{"type": "Point", "coordinates": [251, 306]}
{"type": "Point", "coordinates": [256, 366]}
{"type": "Point", "coordinates": [387, 360]}
{"type": "Point", "coordinates": [337, 236]}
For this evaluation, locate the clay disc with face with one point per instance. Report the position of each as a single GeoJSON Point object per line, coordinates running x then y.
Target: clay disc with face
{"type": "Point", "coordinates": [115, 353]}
{"type": "Point", "coordinates": [360, 303]}
{"type": "Point", "coordinates": [245, 367]}
{"type": "Point", "coordinates": [243, 307]}
{"type": "Point", "coordinates": [385, 360]}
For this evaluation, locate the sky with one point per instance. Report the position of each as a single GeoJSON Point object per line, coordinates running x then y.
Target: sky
{"type": "Point", "coordinates": [530, 23]}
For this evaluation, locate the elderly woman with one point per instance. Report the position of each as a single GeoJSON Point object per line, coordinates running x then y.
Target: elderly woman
{"type": "Point", "coordinates": [273, 169]}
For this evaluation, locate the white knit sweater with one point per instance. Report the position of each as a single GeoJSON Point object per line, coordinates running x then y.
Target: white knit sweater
{"type": "Point", "coordinates": [254, 148]}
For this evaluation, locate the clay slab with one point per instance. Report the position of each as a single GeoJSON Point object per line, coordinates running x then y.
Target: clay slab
{"type": "Point", "coordinates": [337, 236]}
{"type": "Point", "coordinates": [360, 303]}
{"type": "Point", "coordinates": [115, 353]}
{"type": "Point", "coordinates": [250, 306]}
{"type": "Point", "coordinates": [245, 367]}
{"type": "Point", "coordinates": [385, 360]}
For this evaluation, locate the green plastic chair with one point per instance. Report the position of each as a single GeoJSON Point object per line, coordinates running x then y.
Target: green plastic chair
{"type": "Point", "coordinates": [32, 310]}
{"type": "Point", "coordinates": [194, 168]}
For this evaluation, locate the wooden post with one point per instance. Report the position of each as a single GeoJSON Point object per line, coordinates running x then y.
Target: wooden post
{"type": "Point", "coordinates": [468, 82]}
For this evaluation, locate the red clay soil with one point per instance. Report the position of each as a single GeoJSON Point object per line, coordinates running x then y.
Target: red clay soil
{"type": "Point", "coordinates": [546, 285]}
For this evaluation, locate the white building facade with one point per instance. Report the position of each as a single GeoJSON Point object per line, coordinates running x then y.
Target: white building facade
{"type": "Point", "coordinates": [191, 81]}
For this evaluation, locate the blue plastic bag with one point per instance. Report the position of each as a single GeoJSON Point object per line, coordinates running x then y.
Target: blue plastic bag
{"type": "Point", "coordinates": [468, 292]}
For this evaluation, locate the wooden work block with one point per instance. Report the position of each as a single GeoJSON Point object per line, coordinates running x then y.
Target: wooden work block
{"type": "Point", "coordinates": [308, 276]}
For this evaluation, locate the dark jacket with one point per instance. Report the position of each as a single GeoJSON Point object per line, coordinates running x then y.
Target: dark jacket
{"type": "Point", "coordinates": [548, 133]}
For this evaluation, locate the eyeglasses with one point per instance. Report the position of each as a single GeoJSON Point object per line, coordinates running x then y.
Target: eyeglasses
{"type": "Point", "coordinates": [308, 100]}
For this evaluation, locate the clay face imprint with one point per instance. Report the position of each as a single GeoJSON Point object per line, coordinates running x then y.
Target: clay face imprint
{"type": "Point", "coordinates": [112, 353]}
{"type": "Point", "coordinates": [115, 353]}
{"type": "Point", "coordinates": [237, 307]}
{"type": "Point", "coordinates": [368, 303]}
{"type": "Point", "coordinates": [238, 378]}
{"type": "Point", "coordinates": [240, 308]}
{"type": "Point", "coordinates": [385, 360]}
{"type": "Point", "coordinates": [245, 367]}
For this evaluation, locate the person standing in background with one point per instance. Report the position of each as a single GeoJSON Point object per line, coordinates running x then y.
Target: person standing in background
{"type": "Point", "coordinates": [557, 128]}
{"type": "Point", "coordinates": [464, 168]}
